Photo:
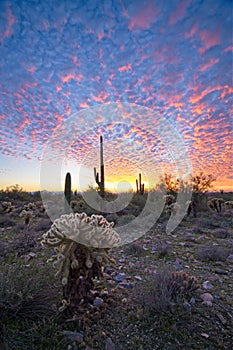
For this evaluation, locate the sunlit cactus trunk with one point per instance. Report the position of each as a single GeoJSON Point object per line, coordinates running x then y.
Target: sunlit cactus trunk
{"type": "Point", "coordinates": [139, 185]}
{"type": "Point", "coordinates": [67, 192]}
{"type": "Point", "coordinates": [81, 280]}
{"type": "Point", "coordinates": [100, 181]}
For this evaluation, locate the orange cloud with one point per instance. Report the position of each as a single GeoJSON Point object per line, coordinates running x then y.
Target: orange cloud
{"type": "Point", "coordinates": [125, 67]}
{"type": "Point", "coordinates": [66, 78]}
{"type": "Point", "coordinates": [101, 97]}
{"type": "Point", "coordinates": [84, 105]}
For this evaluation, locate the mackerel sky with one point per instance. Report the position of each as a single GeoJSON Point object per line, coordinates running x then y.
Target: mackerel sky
{"type": "Point", "coordinates": [60, 57]}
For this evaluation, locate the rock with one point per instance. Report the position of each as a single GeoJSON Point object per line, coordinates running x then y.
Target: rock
{"type": "Point", "coordinates": [138, 278]}
{"type": "Point", "coordinates": [205, 335]}
{"type": "Point", "coordinates": [207, 285]}
{"type": "Point", "coordinates": [178, 265]}
{"type": "Point", "coordinates": [221, 272]}
{"type": "Point", "coordinates": [109, 345]}
{"type": "Point", "coordinates": [126, 284]}
{"type": "Point", "coordinates": [188, 244]}
{"type": "Point", "coordinates": [207, 299]}
{"type": "Point", "coordinates": [98, 301]}
{"type": "Point", "coordinates": [207, 303]}
{"type": "Point", "coordinates": [74, 336]}
{"type": "Point", "coordinates": [120, 277]}
{"type": "Point", "coordinates": [230, 257]}
{"type": "Point", "coordinates": [222, 319]}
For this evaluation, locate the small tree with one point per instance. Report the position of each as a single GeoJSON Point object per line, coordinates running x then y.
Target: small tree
{"type": "Point", "coordinates": [201, 185]}
{"type": "Point", "coordinates": [172, 184]}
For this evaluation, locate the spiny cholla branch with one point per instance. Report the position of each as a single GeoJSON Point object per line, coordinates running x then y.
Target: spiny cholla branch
{"type": "Point", "coordinates": [82, 246]}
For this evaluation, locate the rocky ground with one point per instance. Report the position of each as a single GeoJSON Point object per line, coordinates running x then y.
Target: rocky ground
{"type": "Point", "coordinates": [134, 305]}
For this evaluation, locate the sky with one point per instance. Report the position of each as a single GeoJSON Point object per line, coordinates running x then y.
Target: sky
{"type": "Point", "coordinates": [153, 77]}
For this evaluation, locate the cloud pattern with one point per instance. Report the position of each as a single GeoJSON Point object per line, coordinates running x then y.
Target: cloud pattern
{"type": "Point", "coordinates": [174, 57]}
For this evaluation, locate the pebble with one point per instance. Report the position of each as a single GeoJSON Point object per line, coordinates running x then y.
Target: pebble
{"type": "Point", "coordinates": [138, 278]}
{"type": "Point", "coordinates": [207, 285]}
{"type": "Point", "coordinates": [126, 284]}
{"type": "Point", "coordinates": [220, 272]}
{"type": "Point", "coordinates": [230, 257]}
{"type": "Point", "coordinates": [222, 319]}
{"type": "Point", "coordinates": [207, 303]}
{"type": "Point", "coordinates": [177, 265]}
{"type": "Point", "coordinates": [109, 345]}
{"type": "Point", "coordinates": [120, 277]}
{"type": "Point", "coordinates": [98, 301]}
{"type": "Point", "coordinates": [207, 299]}
{"type": "Point", "coordinates": [75, 336]}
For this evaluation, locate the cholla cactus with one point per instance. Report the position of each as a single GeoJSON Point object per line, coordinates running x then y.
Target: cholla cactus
{"type": "Point", "coordinates": [82, 245]}
{"type": "Point", "coordinates": [27, 215]}
{"type": "Point", "coordinates": [215, 204]}
{"type": "Point", "coordinates": [169, 199]}
{"type": "Point", "coordinates": [228, 204]}
{"type": "Point", "coordinates": [7, 207]}
{"type": "Point", "coordinates": [181, 283]}
{"type": "Point", "coordinates": [29, 206]}
{"type": "Point", "coordinates": [191, 207]}
{"type": "Point", "coordinates": [173, 208]}
{"type": "Point", "coordinates": [74, 205]}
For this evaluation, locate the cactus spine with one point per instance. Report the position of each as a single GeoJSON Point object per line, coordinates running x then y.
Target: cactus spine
{"type": "Point", "coordinates": [67, 191]}
{"type": "Point", "coordinates": [139, 185]}
{"type": "Point", "coordinates": [100, 181]}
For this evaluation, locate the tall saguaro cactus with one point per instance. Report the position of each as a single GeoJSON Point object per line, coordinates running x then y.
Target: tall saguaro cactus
{"type": "Point", "coordinates": [67, 191]}
{"type": "Point", "coordinates": [139, 185]}
{"type": "Point", "coordinates": [100, 181]}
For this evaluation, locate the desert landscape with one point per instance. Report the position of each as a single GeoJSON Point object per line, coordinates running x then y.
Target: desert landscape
{"type": "Point", "coordinates": [159, 292]}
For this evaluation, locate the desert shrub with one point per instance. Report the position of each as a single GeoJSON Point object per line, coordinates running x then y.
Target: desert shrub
{"type": "Point", "coordinates": [134, 249]}
{"type": "Point", "coordinates": [43, 225]}
{"type": "Point", "coordinates": [125, 219]}
{"type": "Point", "coordinates": [26, 296]}
{"type": "Point", "coordinates": [210, 252]}
{"type": "Point", "coordinates": [6, 222]}
{"type": "Point", "coordinates": [139, 200]}
{"type": "Point", "coordinates": [164, 290]}
{"type": "Point", "coordinates": [112, 217]}
{"type": "Point", "coordinates": [162, 249]}
{"type": "Point", "coordinates": [221, 233]}
{"type": "Point", "coordinates": [209, 222]}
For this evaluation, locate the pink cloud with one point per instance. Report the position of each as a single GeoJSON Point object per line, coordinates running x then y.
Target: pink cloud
{"type": "Point", "coordinates": [209, 39]}
{"type": "Point", "coordinates": [69, 76]}
{"type": "Point", "coordinates": [207, 65]}
{"type": "Point", "coordinates": [179, 12]}
{"type": "Point", "coordinates": [144, 17]}
{"type": "Point", "coordinates": [226, 90]}
{"type": "Point", "coordinates": [84, 105]}
{"type": "Point", "coordinates": [101, 97]}
{"type": "Point", "coordinates": [192, 31]}
{"type": "Point", "coordinates": [10, 22]}
{"type": "Point", "coordinates": [125, 67]}
{"type": "Point", "coordinates": [229, 48]}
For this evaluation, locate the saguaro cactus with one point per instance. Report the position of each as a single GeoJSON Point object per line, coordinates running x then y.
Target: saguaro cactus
{"type": "Point", "coordinates": [139, 185]}
{"type": "Point", "coordinates": [100, 181]}
{"type": "Point", "coordinates": [67, 191]}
